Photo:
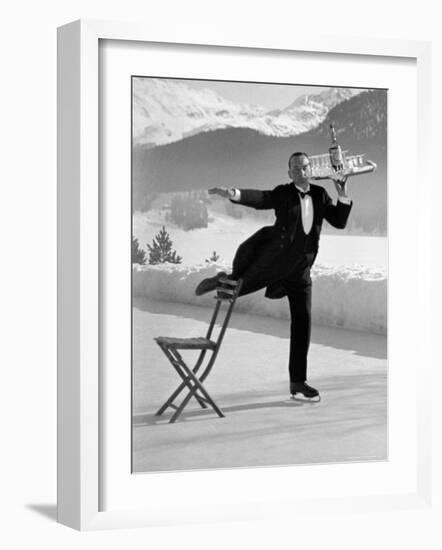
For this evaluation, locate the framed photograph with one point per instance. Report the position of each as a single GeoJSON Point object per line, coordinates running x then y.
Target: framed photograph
{"type": "Point", "coordinates": [183, 232]}
{"type": "Point", "coordinates": [197, 178]}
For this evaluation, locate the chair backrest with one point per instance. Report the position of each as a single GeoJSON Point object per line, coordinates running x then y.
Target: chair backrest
{"type": "Point", "coordinates": [226, 292]}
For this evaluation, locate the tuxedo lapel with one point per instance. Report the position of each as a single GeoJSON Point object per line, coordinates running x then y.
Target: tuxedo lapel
{"type": "Point", "coordinates": [293, 210]}
{"type": "Point", "coordinates": [316, 201]}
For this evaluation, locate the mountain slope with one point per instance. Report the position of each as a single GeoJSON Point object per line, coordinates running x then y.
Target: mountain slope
{"type": "Point", "coordinates": [237, 157]}
{"type": "Point", "coordinates": [166, 110]}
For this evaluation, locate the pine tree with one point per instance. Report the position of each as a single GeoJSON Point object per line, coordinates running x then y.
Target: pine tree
{"type": "Point", "coordinates": [160, 251]}
{"type": "Point", "coordinates": [138, 254]}
{"type": "Point", "coordinates": [189, 212]}
{"type": "Point", "coordinates": [214, 258]}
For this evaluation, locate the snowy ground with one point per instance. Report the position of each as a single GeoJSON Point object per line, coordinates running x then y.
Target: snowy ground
{"type": "Point", "coordinates": [350, 272]}
{"type": "Point", "coordinates": [250, 383]}
{"type": "Point", "coordinates": [225, 233]}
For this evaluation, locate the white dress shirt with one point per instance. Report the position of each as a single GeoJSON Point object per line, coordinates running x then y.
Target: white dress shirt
{"type": "Point", "coordinates": [306, 209]}
{"type": "Point", "coordinates": [306, 206]}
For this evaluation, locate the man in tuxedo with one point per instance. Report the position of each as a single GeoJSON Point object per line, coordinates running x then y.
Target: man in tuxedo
{"type": "Point", "coordinates": [280, 257]}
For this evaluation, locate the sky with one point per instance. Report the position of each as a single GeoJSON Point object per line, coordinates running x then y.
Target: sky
{"type": "Point", "coordinates": [271, 96]}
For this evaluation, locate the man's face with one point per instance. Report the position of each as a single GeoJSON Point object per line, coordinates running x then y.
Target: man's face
{"type": "Point", "coordinates": [300, 170]}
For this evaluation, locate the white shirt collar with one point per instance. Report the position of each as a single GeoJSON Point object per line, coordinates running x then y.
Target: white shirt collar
{"type": "Point", "coordinates": [303, 190]}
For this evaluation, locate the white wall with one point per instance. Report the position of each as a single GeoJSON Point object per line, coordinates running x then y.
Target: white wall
{"type": "Point", "coordinates": [28, 297]}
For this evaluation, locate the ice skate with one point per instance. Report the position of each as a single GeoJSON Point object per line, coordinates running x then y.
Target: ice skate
{"type": "Point", "coordinates": [301, 391]}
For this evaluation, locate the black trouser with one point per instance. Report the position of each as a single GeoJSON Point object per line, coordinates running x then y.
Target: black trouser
{"type": "Point", "coordinates": [299, 294]}
{"type": "Point", "coordinates": [300, 301]}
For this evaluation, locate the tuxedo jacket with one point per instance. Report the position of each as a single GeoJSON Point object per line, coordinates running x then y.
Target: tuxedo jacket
{"type": "Point", "coordinates": [269, 255]}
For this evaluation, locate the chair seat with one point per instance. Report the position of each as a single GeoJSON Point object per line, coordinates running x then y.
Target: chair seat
{"type": "Point", "coordinates": [185, 343]}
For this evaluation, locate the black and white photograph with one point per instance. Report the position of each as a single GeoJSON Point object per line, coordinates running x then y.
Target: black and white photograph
{"type": "Point", "coordinates": [259, 274]}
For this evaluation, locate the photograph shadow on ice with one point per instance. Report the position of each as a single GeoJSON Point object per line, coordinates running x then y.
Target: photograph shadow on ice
{"type": "Point", "coordinates": [198, 415]}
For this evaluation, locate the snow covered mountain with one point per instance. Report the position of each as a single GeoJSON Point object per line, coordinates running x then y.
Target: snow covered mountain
{"type": "Point", "coordinates": [165, 111]}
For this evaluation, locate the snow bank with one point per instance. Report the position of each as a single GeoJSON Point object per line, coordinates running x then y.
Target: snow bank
{"type": "Point", "coordinates": [349, 297]}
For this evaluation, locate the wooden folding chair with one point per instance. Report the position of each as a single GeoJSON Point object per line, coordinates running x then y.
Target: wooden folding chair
{"type": "Point", "coordinates": [192, 378]}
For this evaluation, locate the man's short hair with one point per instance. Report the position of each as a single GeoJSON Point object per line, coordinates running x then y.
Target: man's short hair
{"type": "Point", "coordinates": [297, 154]}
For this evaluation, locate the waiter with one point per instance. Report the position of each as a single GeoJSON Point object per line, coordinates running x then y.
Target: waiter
{"type": "Point", "coordinates": [280, 257]}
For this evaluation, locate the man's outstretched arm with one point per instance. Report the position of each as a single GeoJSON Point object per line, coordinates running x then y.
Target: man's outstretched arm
{"type": "Point", "coordinates": [255, 198]}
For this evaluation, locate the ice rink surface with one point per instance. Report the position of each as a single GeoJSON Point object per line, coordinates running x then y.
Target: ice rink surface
{"type": "Point", "coordinates": [249, 382]}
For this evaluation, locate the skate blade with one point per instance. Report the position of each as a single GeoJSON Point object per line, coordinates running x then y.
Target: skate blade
{"type": "Point", "coordinates": [303, 399]}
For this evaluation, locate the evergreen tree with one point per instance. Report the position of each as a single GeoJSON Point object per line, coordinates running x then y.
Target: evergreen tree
{"type": "Point", "coordinates": [138, 254]}
{"type": "Point", "coordinates": [188, 211]}
{"type": "Point", "coordinates": [160, 251]}
{"type": "Point", "coordinates": [214, 258]}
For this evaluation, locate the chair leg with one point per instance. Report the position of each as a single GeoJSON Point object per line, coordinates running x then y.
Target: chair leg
{"type": "Point", "coordinates": [189, 380]}
{"type": "Point", "coordinates": [177, 363]}
{"type": "Point", "coordinates": [175, 394]}
{"type": "Point", "coordinates": [197, 386]}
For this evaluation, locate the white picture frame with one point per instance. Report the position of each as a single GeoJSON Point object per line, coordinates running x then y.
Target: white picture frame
{"type": "Point", "coordinates": [79, 290]}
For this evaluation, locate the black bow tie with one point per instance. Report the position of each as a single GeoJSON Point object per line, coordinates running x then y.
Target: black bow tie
{"type": "Point", "coordinates": [302, 194]}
